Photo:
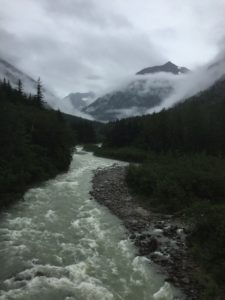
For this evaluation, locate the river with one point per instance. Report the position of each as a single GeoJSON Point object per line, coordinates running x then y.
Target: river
{"type": "Point", "coordinates": [59, 244]}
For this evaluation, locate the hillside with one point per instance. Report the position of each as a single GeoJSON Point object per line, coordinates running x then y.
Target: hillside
{"type": "Point", "coordinates": [79, 100]}
{"type": "Point", "coordinates": [168, 67]}
{"type": "Point", "coordinates": [13, 74]}
{"type": "Point", "coordinates": [137, 97]}
{"type": "Point", "coordinates": [36, 143]}
{"type": "Point", "coordinates": [194, 125]}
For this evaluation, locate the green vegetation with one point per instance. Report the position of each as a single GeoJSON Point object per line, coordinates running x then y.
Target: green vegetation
{"type": "Point", "coordinates": [36, 142]}
{"type": "Point", "coordinates": [124, 154]}
{"type": "Point", "coordinates": [175, 183]}
{"type": "Point", "coordinates": [85, 131]}
{"type": "Point", "coordinates": [182, 171]}
{"type": "Point", "coordinates": [208, 244]}
{"type": "Point", "coordinates": [195, 126]}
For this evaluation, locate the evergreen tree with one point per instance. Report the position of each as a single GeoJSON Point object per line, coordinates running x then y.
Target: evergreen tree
{"type": "Point", "coordinates": [39, 95]}
{"type": "Point", "coordinates": [36, 144]}
{"type": "Point", "coordinates": [20, 87]}
{"type": "Point", "coordinates": [60, 116]}
{"type": "Point", "coordinates": [4, 82]}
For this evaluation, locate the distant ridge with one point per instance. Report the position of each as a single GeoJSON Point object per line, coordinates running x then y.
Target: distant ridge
{"type": "Point", "coordinates": [168, 67]}
{"type": "Point", "coordinates": [80, 100]}
{"type": "Point", "coordinates": [137, 97]}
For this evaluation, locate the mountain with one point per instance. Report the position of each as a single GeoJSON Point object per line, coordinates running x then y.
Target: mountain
{"type": "Point", "coordinates": [137, 97]}
{"type": "Point", "coordinates": [11, 73]}
{"type": "Point", "coordinates": [133, 100]}
{"type": "Point", "coordinates": [79, 100]}
{"type": "Point", "coordinates": [168, 67]}
{"type": "Point", "coordinates": [68, 105]}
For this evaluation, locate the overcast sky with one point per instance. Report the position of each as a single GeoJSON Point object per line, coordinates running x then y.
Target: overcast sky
{"type": "Point", "coordinates": [82, 45]}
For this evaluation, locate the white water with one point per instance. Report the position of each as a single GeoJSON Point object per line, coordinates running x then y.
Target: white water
{"type": "Point", "coordinates": [59, 244]}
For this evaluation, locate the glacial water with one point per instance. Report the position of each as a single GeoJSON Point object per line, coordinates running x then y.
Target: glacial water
{"type": "Point", "coordinates": [59, 244]}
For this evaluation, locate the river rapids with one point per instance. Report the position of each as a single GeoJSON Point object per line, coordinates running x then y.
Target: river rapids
{"type": "Point", "coordinates": [59, 244]}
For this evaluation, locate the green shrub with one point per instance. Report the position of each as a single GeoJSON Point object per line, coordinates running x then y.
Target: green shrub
{"type": "Point", "coordinates": [208, 244]}
{"type": "Point", "coordinates": [194, 185]}
{"type": "Point", "coordinates": [178, 182]}
{"type": "Point", "coordinates": [124, 154]}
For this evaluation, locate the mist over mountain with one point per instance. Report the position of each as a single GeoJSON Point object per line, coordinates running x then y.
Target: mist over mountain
{"type": "Point", "coordinates": [193, 83]}
{"type": "Point", "coordinates": [155, 88]}
{"type": "Point", "coordinates": [12, 74]}
{"type": "Point", "coordinates": [80, 100]}
{"type": "Point", "coordinates": [148, 89]}
{"type": "Point", "coordinates": [72, 104]}
{"type": "Point", "coordinates": [9, 72]}
{"type": "Point", "coordinates": [112, 134]}
{"type": "Point", "coordinates": [168, 67]}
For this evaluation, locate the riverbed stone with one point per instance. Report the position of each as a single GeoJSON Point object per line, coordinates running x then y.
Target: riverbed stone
{"type": "Point", "coordinates": [151, 233]}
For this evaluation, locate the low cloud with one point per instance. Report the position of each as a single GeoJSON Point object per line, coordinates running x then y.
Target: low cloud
{"type": "Point", "coordinates": [73, 45]}
{"type": "Point", "coordinates": [190, 84]}
{"type": "Point", "coordinates": [82, 45]}
{"type": "Point", "coordinates": [169, 87]}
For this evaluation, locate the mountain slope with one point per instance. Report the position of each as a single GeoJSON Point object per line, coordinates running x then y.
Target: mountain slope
{"type": "Point", "coordinates": [169, 67]}
{"type": "Point", "coordinates": [134, 100]}
{"type": "Point", "coordinates": [137, 97]}
{"type": "Point", "coordinates": [79, 100]}
{"type": "Point", "coordinates": [195, 125]}
{"type": "Point", "coordinates": [11, 73]}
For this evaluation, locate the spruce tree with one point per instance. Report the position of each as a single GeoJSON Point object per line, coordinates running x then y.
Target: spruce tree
{"type": "Point", "coordinates": [4, 82]}
{"type": "Point", "coordinates": [39, 96]}
{"type": "Point", "coordinates": [20, 87]}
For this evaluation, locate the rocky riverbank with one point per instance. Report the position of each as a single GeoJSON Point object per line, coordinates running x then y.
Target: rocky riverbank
{"type": "Point", "coordinates": [159, 237]}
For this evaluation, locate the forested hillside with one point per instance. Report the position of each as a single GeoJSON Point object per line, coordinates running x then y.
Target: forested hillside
{"type": "Point", "coordinates": [86, 131]}
{"type": "Point", "coordinates": [182, 171]}
{"type": "Point", "coordinates": [197, 125]}
{"type": "Point", "coordinates": [36, 142]}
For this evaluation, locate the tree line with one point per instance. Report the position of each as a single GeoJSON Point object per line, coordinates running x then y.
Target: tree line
{"type": "Point", "coordinates": [36, 142]}
{"type": "Point", "coordinates": [197, 125]}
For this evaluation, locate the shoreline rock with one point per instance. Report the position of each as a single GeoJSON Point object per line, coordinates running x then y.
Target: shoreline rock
{"type": "Point", "coordinates": [159, 237]}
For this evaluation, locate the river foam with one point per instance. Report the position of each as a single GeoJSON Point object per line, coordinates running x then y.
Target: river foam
{"type": "Point", "coordinates": [60, 244]}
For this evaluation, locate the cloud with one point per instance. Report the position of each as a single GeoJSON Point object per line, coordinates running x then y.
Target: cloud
{"type": "Point", "coordinates": [68, 108]}
{"type": "Point", "coordinates": [82, 45]}
{"type": "Point", "coordinates": [171, 88]}
{"type": "Point", "coordinates": [93, 12]}
{"type": "Point", "coordinates": [193, 83]}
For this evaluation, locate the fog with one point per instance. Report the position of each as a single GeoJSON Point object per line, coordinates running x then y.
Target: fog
{"type": "Point", "coordinates": [190, 84]}
{"type": "Point", "coordinates": [84, 45]}
{"type": "Point", "coordinates": [98, 45]}
{"type": "Point", "coordinates": [180, 87]}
